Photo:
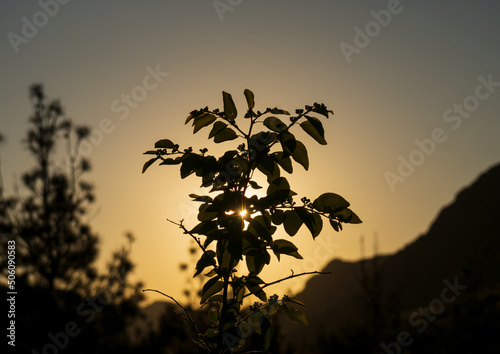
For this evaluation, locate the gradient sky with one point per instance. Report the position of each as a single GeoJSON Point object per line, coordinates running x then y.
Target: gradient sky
{"type": "Point", "coordinates": [394, 88]}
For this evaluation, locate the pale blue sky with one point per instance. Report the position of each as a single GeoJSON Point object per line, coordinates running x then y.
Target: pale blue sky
{"type": "Point", "coordinates": [395, 90]}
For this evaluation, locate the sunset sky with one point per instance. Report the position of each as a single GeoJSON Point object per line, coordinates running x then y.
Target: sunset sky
{"type": "Point", "coordinates": [410, 82]}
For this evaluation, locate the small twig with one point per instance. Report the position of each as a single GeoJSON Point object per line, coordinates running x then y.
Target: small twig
{"type": "Point", "coordinates": [188, 319]}
{"type": "Point", "coordinates": [200, 344]}
{"type": "Point", "coordinates": [205, 345]}
{"type": "Point", "coordinates": [287, 129]}
{"type": "Point", "coordinates": [289, 277]}
{"type": "Point", "coordinates": [186, 231]}
{"type": "Point", "coordinates": [243, 319]}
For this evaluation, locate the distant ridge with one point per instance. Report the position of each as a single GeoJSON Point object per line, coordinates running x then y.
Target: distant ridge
{"type": "Point", "coordinates": [462, 243]}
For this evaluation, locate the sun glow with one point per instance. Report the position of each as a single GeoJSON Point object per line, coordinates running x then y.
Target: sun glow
{"type": "Point", "coordinates": [241, 213]}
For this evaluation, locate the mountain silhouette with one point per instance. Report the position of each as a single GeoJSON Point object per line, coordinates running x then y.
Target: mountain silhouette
{"type": "Point", "coordinates": [381, 296]}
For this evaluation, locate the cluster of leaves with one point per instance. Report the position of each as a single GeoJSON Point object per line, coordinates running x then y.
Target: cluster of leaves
{"type": "Point", "coordinates": [242, 225]}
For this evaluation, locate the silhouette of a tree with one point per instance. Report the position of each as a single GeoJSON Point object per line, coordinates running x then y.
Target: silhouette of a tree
{"type": "Point", "coordinates": [237, 225]}
{"type": "Point", "coordinates": [55, 247]}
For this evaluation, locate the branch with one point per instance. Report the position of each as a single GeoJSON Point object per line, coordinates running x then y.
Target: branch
{"type": "Point", "coordinates": [289, 277]}
{"type": "Point", "coordinates": [186, 231]}
{"type": "Point", "coordinates": [205, 345]}
{"type": "Point", "coordinates": [234, 125]}
{"type": "Point", "coordinates": [243, 319]}
{"type": "Point", "coordinates": [312, 210]}
{"type": "Point", "coordinates": [188, 319]}
{"type": "Point", "coordinates": [287, 129]}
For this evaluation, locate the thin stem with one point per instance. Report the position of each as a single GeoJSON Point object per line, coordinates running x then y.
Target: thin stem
{"type": "Point", "coordinates": [223, 310]}
{"type": "Point", "coordinates": [224, 300]}
{"type": "Point", "coordinates": [301, 115]}
{"type": "Point", "coordinates": [243, 319]}
{"type": "Point", "coordinates": [250, 168]}
{"type": "Point", "coordinates": [252, 122]}
{"type": "Point", "coordinates": [289, 277]}
{"type": "Point", "coordinates": [322, 213]}
{"type": "Point", "coordinates": [188, 319]}
{"type": "Point", "coordinates": [233, 124]}
{"type": "Point", "coordinates": [186, 231]}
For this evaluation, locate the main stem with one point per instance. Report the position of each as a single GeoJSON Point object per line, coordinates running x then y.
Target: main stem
{"type": "Point", "coordinates": [223, 311]}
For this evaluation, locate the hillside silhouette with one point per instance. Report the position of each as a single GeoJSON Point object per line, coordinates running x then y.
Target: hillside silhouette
{"type": "Point", "coordinates": [363, 306]}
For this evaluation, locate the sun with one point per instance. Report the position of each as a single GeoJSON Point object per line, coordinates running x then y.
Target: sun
{"type": "Point", "coordinates": [243, 213]}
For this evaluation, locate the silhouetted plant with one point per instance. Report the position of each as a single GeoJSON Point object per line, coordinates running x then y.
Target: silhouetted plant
{"type": "Point", "coordinates": [54, 246]}
{"type": "Point", "coordinates": [56, 277]}
{"type": "Point", "coordinates": [237, 225]}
